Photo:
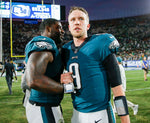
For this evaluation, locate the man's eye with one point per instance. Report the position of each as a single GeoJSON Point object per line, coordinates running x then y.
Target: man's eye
{"type": "Point", "coordinates": [72, 19]}
{"type": "Point", "coordinates": [81, 19]}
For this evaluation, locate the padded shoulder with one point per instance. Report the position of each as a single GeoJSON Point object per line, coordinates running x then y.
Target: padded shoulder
{"type": "Point", "coordinates": [40, 43]}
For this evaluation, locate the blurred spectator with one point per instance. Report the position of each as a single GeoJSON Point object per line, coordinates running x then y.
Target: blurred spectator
{"type": "Point", "coordinates": [145, 68]}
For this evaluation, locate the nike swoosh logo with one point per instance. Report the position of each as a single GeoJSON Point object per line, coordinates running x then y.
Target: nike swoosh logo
{"type": "Point", "coordinates": [98, 121]}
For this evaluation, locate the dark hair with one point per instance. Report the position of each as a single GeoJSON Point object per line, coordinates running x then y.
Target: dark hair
{"type": "Point", "coordinates": [47, 22]}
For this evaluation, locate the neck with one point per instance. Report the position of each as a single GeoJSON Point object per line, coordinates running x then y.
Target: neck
{"type": "Point", "coordinates": [78, 41]}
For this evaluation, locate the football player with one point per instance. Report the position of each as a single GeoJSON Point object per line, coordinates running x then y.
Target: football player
{"type": "Point", "coordinates": [42, 74]}
{"type": "Point", "coordinates": [95, 71]}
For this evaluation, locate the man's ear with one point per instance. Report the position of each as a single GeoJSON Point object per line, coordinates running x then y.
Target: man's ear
{"type": "Point", "coordinates": [88, 26]}
{"type": "Point", "coordinates": [69, 27]}
{"type": "Point", "coordinates": [48, 29]}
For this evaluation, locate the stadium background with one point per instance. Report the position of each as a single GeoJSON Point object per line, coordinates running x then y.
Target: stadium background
{"type": "Point", "coordinates": [127, 20]}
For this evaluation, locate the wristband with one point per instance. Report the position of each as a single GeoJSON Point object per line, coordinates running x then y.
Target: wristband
{"type": "Point", "coordinates": [121, 105]}
{"type": "Point", "coordinates": [68, 88]}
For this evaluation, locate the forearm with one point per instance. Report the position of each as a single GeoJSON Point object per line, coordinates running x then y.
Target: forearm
{"type": "Point", "coordinates": [118, 92]}
{"type": "Point", "coordinates": [2, 73]}
{"type": "Point", "coordinates": [44, 84]}
{"type": "Point", "coordinates": [125, 119]}
{"type": "Point", "coordinates": [35, 74]}
{"type": "Point", "coordinates": [24, 83]}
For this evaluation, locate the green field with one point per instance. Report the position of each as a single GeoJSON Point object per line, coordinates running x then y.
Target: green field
{"type": "Point", "coordinates": [138, 92]}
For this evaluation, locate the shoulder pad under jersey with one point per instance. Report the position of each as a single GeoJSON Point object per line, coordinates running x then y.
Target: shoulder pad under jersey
{"type": "Point", "coordinates": [114, 44]}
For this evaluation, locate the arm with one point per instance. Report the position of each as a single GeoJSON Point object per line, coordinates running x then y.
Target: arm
{"type": "Point", "coordinates": [147, 66]}
{"type": "Point", "coordinates": [2, 72]}
{"type": "Point", "coordinates": [14, 72]}
{"type": "Point", "coordinates": [36, 67]}
{"type": "Point", "coordinates": [118, 91]}
{"type": "Point", "coordinates": [24, 85]}
{"type": "Point", "coordinates": [114, 78]}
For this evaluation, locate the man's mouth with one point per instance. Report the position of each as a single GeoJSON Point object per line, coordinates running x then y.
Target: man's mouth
{"type": "Point", "coordinates": [77, 29]}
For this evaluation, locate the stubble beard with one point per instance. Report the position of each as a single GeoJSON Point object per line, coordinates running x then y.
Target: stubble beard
{"type": "Point", "coordinates": [78, 35]}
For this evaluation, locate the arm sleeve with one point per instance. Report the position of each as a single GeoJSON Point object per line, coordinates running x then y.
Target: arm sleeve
{"type": "Point", "coordinates": [112, 70]}
{"type": "Point", "coordinates": [123, 77]}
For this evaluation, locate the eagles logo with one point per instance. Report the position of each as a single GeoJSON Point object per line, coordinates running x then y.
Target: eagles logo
{"type": "Point", "coordinates": [43, 45]}
{"type": "Point", "coordinates": [114, 44]}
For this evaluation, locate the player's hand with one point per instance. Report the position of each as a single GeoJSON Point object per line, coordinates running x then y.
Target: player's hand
{"type": "Point", "coordinates": [16, 77]}
{"type": "Point", "coordinates": [66, 78]}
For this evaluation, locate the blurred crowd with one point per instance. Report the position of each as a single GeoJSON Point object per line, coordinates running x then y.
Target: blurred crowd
{"type": "Point", "coordinates": [133, 34]}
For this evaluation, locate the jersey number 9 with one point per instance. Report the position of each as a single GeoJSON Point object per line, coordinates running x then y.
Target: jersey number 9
{"type": "Point", "coordinates": [74, 68]}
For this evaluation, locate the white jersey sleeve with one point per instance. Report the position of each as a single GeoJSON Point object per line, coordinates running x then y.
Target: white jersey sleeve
{"type": "Point", "coordinates": [123, 76]}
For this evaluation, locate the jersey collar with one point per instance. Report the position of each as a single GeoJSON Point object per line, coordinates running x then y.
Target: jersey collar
{"type": "Point", "coordinates": [76, 49]}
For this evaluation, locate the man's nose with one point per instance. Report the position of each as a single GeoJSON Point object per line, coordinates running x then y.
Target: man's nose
{"type": "Point", "coordinates": [77, 21]}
